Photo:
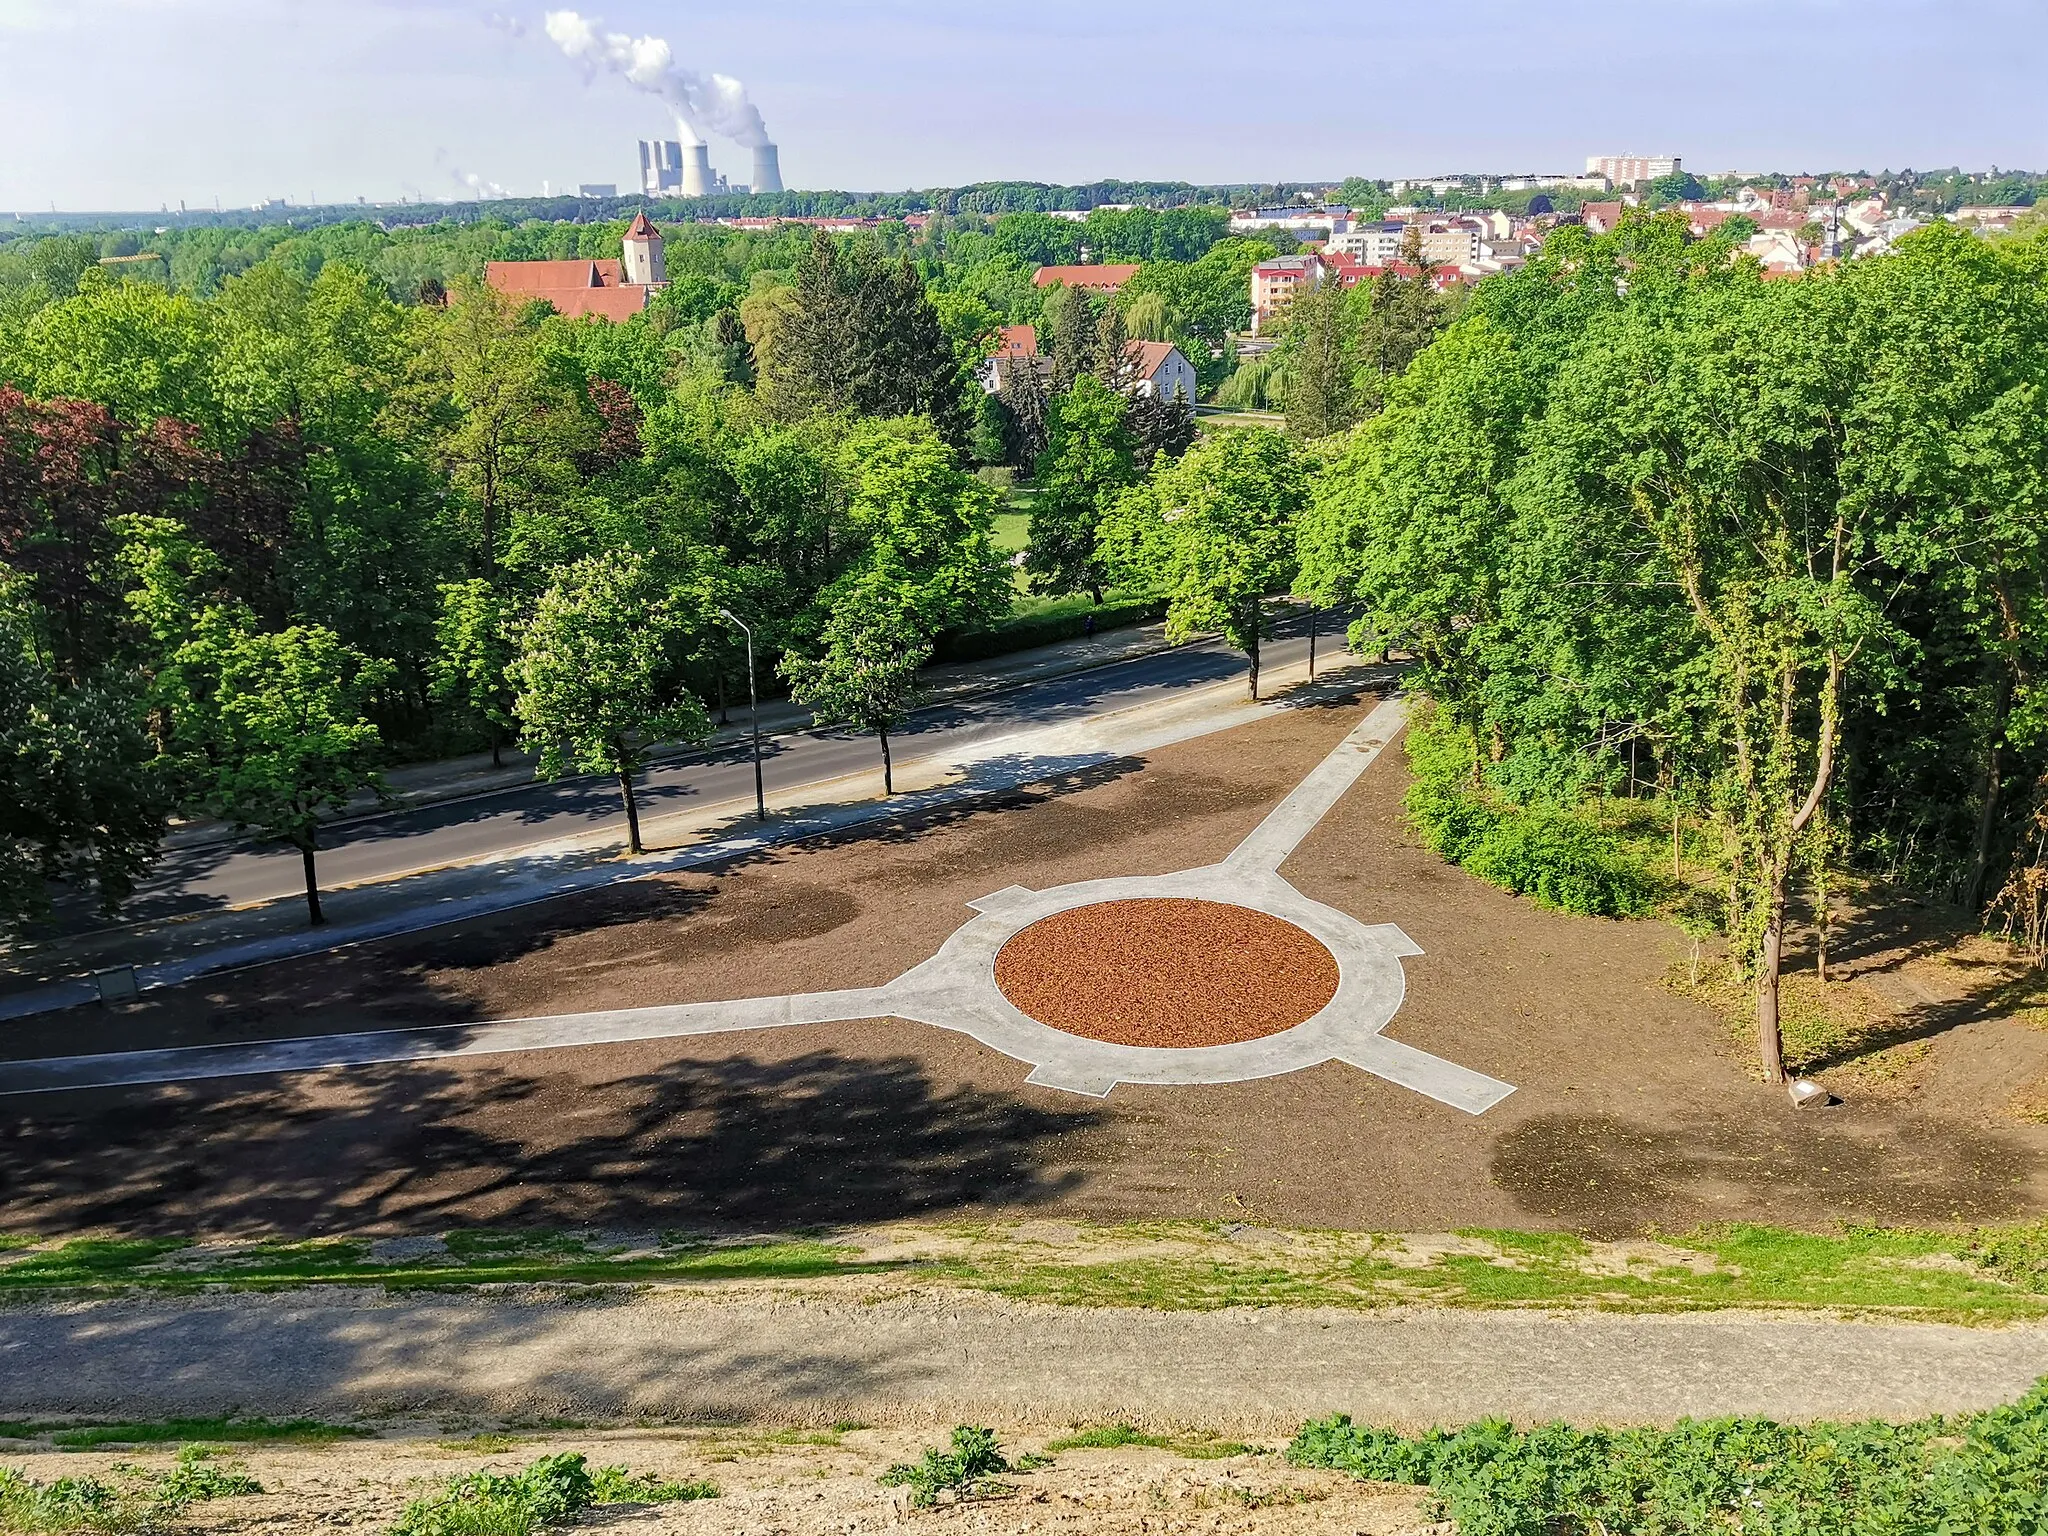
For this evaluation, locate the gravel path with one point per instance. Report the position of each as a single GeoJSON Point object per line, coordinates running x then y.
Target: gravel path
{"type": "Point", "coordinates": [944, 1358]}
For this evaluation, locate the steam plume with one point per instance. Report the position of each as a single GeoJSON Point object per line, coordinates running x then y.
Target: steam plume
{"type": "Point", "coordinates": [717, 103]}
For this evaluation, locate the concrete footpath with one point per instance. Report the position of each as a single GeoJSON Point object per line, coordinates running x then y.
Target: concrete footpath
{"type": "Point", "coordinates": [947, 1357]}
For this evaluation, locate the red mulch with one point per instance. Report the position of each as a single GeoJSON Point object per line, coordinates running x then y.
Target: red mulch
{"type": "Point", "coordinates": [1166, 972]}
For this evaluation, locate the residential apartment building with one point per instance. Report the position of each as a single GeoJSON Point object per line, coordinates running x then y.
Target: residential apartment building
{"type": "Point", "coordinates": [1375, 244]}
{"type": "Point", "coordinates": [1276, 282]}
{"type": "Point", "coordinates": [1627, 170]}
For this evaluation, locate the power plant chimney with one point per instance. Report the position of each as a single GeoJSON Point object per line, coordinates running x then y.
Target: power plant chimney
{"type": "Point", "coordinates": [767, 169]}
{"type": "Point", "coordinates": [696, 170]}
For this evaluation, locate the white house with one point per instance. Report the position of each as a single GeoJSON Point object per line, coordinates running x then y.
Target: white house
{"type": "Point", "coordinates": [1162, 372]}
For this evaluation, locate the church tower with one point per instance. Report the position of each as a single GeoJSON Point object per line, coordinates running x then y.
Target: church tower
{"type": "Point", "coordinates": [644, 265]}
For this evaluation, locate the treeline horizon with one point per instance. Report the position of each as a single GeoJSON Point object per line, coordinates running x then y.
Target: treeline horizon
{"type": "Point", "coordinates": [1950, 187]}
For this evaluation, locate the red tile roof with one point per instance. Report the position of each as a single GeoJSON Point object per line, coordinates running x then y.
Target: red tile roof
{"type": "Point", "coordinates": [1151, 356]}
{"type": "Point", "coordinates": [642, 229]}
{"type": "Point", "coordinates": [1017, 341]}
{"type": "Point", "coordinates": [1105, 277]}
{"type": "Point", "coordinates": [530, 277]}
{"type": "Point", "coordinates": [606, 303]}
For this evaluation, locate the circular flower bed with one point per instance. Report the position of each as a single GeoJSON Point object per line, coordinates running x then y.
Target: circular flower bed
{"type": "Point", "coordinates": [1168, 971]}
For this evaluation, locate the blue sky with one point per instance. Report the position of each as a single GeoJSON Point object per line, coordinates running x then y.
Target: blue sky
{"type": "Point", "coordinates": [137, 103]}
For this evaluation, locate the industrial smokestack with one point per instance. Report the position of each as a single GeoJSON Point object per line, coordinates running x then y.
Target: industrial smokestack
{"type": "Point", "coordinates": [767, 168]}
{"type": "Point", "coordinates": [696, 170]}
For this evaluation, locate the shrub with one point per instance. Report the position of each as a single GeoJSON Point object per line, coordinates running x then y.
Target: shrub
{"type": "Point", "coordinates": [1554, 855]}
{"type": "Point", "coordinates": [552, 1491]}
{"type": "Point", "coordinates": [1030, 630]}
{"type": "Point", "coordinates": [968, 1468]}
{"type": "Point", "coordinates": [1718, 1477]}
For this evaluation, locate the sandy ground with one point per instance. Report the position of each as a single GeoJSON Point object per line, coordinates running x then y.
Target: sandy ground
{"type": "Point", "coordinates": [768, 1487]}
{"type": "Point", "coordinates": [1634, 1108]}
{"type": "Point", "coordinates": [768, 1355]}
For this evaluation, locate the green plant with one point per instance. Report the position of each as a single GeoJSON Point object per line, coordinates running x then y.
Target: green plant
{"type": "Point", "coordinates": [197, 1477]}
{"type": "Point", "coordinates": [968, 1469]}
{"type": "Point", "coordinates": [134, 1500]}
{"type": "Point", "coordinates": [615, 1485]}
{"type": "Point", "coordinates": [1556, 855]}
{"type": "Point", "coordinates": [547, 1492]}
{"type": "Point", "coordinates": [1717, 1477]}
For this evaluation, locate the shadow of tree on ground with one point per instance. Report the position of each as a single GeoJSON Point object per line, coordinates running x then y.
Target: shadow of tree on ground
{"type": "Point", "coordinates": [818, 1138]}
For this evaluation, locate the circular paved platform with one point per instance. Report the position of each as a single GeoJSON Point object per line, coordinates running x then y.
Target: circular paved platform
{"type": "Point", "coordinates": [1166, 972]}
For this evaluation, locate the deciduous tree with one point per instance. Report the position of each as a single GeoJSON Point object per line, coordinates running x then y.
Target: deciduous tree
{"type": "Point", "coordinates": [599, 674]}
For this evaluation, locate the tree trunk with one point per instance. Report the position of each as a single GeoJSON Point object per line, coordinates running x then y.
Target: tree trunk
{"type": "Point", "coordinates": [1251, 652]}
{"type": "Point", "coordinates": [1677, 850]}
{"type": "Point", "coordinates": [314, 916]}
{"type": "Point", "coordinates": [632, 809]}
{"type": "Point", "coordinates": [1769, 1038]}
{"type": "Point", "coordinates": [1987, 817]}
{"type": "Point", "coordinates": [723, 717]}
{"type": "Point", "coordinates": [497, 748]}
{"type": "Point", "coordinates": [888, 768]}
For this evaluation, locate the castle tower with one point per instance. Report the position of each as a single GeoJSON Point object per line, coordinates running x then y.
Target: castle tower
{"type": "Point", "coordinates": [644, 265]}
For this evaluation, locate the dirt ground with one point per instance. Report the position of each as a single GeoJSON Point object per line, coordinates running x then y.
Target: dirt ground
{"type": "Point", "coordinates": [1634, 1108]}
{"type": "Point", "coordinates": [780, 1486]}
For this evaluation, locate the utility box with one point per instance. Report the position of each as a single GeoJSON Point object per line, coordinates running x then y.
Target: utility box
{"type": "Point", "coordinates": [118, 986]}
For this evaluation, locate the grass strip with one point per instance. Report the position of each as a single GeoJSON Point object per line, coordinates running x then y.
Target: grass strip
{"type": "Point", "coordinates": [1992, 1275]}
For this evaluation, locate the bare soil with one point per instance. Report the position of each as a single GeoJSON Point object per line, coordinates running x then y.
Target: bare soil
{"type": "Point", "coordinates": [1169, 972]}
{"type": "Point", "coordinates": [792, 1484]}
{"type": "Point", "coordinates": [1635, 1108]}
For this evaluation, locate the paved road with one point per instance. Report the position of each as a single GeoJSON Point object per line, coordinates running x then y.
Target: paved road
{"type": "Point", "coordinates": [504, 821]}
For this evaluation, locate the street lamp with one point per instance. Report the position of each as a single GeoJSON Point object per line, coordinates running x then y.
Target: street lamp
{"type": "Point", "coordinates": [753, 711]}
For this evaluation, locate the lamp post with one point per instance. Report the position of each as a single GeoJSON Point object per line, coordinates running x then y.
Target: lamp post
{"type": "Point", "coordinates": [753, 711]}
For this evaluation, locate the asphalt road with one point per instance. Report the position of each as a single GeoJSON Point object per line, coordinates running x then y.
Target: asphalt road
{"type": "Point", "coordinates": [502, 822]}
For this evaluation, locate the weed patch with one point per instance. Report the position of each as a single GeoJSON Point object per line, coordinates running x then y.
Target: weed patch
{"type": "Point", "coordinates": [127, 1499]}
{"type": "Point", "coordinates": [1718, 1477]}
{"type": "Point", "coordinates": [967, 1469]}
{"type": "Point", "coordinates": [546, 1494]}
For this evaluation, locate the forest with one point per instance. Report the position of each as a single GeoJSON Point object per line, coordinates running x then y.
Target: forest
{"type": "Point", "coordinates": [1747, 571]}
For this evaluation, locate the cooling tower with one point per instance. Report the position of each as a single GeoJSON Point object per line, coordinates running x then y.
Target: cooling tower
{"type": "Point", "coordinates": [696, 170]}
{"type": "Point", "coordinates": [767, 169]}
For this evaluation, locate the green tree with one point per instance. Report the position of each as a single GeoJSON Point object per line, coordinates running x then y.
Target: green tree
{"type": "Point", "coordinates": [1321, 398]}
{"type": "Point", "coordinates": [509, 428]}
{"type": "Point", "coordinates": [272, 730]}
{"type": "Point", "coordinates": [1213, 534]}
{"type": "Point", "coordinates": [598, 674]}
{"type": "Point", "coordinates": [477, 649]}
{"type": "Point", "coordinates": [78, 792]}
{"type": "Point", "coordinates": [1089, 459]}
{"type": "Point", "coordinates": [1068, 332]}
{"type": "Point", "coordinates": [865, 673]}
{"type": "Point", "coordinates": [920, 524]}
{"type": "Point", "coordinates": [862, 337]}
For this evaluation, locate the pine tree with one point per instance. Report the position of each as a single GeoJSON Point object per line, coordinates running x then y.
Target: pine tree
{"type": "Point", "coordinates": [1163, 428]}
{"type": "Point", "coordinates": [1068, 333]}
{"type": "Point", "coordinates": [1112, 360]}
{"type": "Point", "coordinates": [1020, 394]}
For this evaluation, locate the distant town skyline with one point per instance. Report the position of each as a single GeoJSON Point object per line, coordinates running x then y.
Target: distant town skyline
{"type": "Point", "coordinates": [136, 104]}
